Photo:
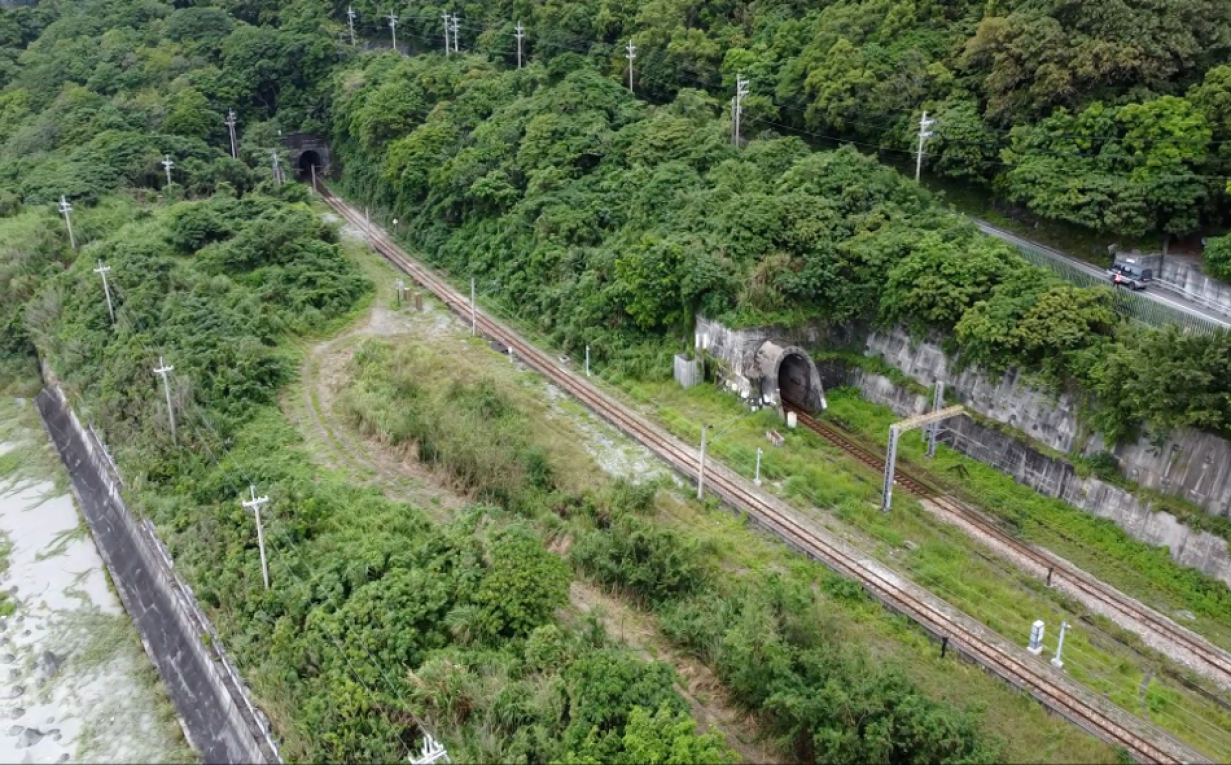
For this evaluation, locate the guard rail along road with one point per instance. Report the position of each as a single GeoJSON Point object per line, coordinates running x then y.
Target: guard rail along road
{"type": "Point", "coordinates": [1144, 741]}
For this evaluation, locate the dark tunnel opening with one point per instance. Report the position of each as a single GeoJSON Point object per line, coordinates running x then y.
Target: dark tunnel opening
{"type": "Point", "coordinates": [794, 379]}
{"type": "Point", "coordinates": [307, 161]}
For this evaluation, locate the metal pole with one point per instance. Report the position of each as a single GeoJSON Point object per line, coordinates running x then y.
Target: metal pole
{"type": "Point", "coordinates": [393, 27]}
{"type": "Point", "coordinates": [587, 361]}
{"type": "Point", "coordinates": [891, 456]}
{"type": "Point", "coordinates": [519, 33]}
{"type": "Point", "coordinates": [1056, 662]}
{"type": "Point", "coordinates": [473, 313]}
{"type": "Point", "coordinates": [167, 165]}
{"type": "Point", "coordinates": [447, 48]}
{"type": "Point", "coordinates": [163, 370]}
{"type": "Point", "coordinates": [65, 209]}
{"type": "Point", "coordinates": [938, 403]}
{"type": "Point", "coordinates": [102, 271]}
{"type": "Point", "coordinates": [757, 479]}
{"type": "Point", "coordinates": [313, 168]}
{"type": "Point", "coordinates": [701, 464]}
{"type": "Point", "coordinates": [277, 167]}
{"type": "Point", "coordinates": [454, 23]}
{"type": "Point", "coordinates": [350, 19]}
{"type": "Point", "coordinates": [255, 503]}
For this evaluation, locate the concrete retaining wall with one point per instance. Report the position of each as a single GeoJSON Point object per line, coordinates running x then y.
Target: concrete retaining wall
{"type": "Point", "coordinates": [1052, 477]}
{"type": "Point", "coordinates": [1182, 274]}
{"type": "Point", "coordinates": [1190, 464]}
{"type": "Point", "coordinates": [214, 708]}
{"type": "Point", "coordinates": [1193, 465]}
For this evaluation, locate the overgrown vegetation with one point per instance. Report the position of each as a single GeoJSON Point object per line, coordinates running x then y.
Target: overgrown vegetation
{"type": "Point", "coordinates": [609, 221]}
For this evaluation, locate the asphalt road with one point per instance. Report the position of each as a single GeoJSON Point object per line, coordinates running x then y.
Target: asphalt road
{"type": "Point", "coordinates": [1157, 292]}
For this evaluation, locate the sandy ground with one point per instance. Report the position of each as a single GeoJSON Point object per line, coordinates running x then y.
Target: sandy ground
{"type": "Point", "coordinates": [75, 683]}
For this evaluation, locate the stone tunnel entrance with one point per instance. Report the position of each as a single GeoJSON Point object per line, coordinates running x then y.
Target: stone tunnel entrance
{"type": "Point", "coordinates": [307, 151]}
{"type": "Point", "coordinates": [307, 161]}
{"type": "Point", "coordinates": [789, 374]}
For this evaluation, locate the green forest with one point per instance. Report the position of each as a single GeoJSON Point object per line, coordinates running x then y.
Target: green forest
{"type": "Point", "coordinates": [601, 217]}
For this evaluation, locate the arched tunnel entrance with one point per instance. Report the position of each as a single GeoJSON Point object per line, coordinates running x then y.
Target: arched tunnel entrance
{"type": "Point", "coordinates": [788, 374]}
{"type": "Point", "coordinates": [793, 378]}
{"type": "Point", "coordinates": [308, 160]}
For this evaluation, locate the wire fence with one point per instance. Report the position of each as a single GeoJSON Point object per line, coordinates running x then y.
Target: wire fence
{"type": "Point", "coordinates": [1131, 305]}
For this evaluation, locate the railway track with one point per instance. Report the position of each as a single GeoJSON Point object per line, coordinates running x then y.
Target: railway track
{"type": "Point", "coordinates": [1144, 741]}
{"type": "Point", "coordinates": [1205, 658]}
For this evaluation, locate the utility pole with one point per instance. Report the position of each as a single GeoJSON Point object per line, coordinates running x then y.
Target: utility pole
{"type": "Point", "coordinates": [737, 107]}
{"type": "Point", "coordinates": [65, 209]}
{"type": "Point", "coordinates": [393, 28]}
{"type": "Point", "coordinates": [433, 752]}
{"type": "Point", "coordinates": [454, 23]}
{"type": "Point", "coordinates": [701, 464]}
{"type": "Point", "coordinates": [254, 504]}
{"type": "Point", "coordinates": [167, 165]}
{"type": "Point", "coordinates": [350, 20]}
{"type": "Point", "coordinates": [277, 167]}
{"type": "Point", "coordinates": [447, 48]}
{"type": "Point", "coordinates": [102, 271]}
{"type": "Point", "coordinates": [632, 54]}
{"type": "Point", "coordinates": [757, 479]}
{"type": "Point", "coordinates": [924, 134]}
{"type": "Point", "coordinates": [163, 370]}
{"type": "Point", "coordinates": [519, 32]}
{"type": "Point", "coordinates": [230, 120]}
{"type": "Point", "coordinates": [473, 314]}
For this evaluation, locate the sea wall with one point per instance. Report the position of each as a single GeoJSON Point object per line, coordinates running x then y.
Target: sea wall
{"type": "Point", "coordinates": [218, 717]}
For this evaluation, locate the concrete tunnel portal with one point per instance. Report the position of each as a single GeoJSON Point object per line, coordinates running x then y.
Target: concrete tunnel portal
{"type": "Point", "coordinates": [788, 374]}
{"type": "Point", "coordinates": [308, 160]}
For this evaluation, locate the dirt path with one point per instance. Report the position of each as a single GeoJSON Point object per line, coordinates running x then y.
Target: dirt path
{"type": "Point", "coordinates": [335, 445]}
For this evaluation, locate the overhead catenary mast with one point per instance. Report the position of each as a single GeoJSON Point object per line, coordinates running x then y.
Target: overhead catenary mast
{"type": "Point", "coordinates": [448, 48]}
{"type": "Point", "coordinates": [519, 32]}
{"type": "Point", "coordinates": [454, 23]}
{"type": "Point", "coordinates": [350, 20]}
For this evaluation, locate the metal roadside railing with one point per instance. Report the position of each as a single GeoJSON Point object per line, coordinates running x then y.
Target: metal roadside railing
{"type": "Point", "coordinates": [1134, 307]}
